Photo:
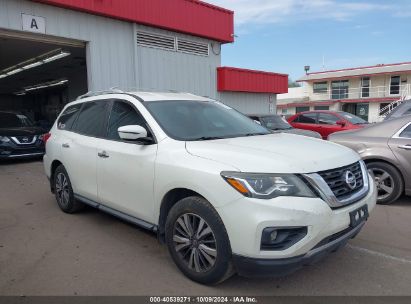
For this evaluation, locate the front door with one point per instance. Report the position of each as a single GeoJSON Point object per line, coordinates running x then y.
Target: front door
{"type": "Point", "coordinates": [125, 169]}
{"type": "Point", "coordinates": [362, 110]}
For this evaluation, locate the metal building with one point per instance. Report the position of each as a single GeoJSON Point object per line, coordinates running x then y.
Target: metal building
{"type": "Point", "coordinates": [54, 50]}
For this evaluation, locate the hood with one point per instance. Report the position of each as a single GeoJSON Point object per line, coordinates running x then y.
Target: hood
{"type": "Point", "coordinates": [274, 153]}
{"type": "Point", "coordinates": [302, 132]}
{"type": "Point", "coordinates": [26, 131]}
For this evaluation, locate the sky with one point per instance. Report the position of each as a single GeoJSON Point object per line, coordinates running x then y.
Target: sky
{"type": "Point", "coordinates": [285, 35]}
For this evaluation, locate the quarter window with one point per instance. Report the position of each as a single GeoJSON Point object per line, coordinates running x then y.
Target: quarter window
{"type": "Point", "coordinates": [309, 118]}
{"type": "Point", "coordinates": [122, 114]}
{"type": "Point", "coordinates": [68, 117]}
{"type": "Point", "coordinates": [91, 119]}
{"type": "Point", "coordinates": [407, 132]}
{"type": "Point", "coordinates": [320, 87]}
{"type": "Point", "coordinates": [327, 119]}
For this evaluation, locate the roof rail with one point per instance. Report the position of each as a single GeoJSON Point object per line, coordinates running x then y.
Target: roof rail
{"type": "Point", "coordinates": [96, 93]}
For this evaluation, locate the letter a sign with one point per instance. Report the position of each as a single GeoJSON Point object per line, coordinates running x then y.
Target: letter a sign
{"type": "Point", "coordinates": [33, 24]}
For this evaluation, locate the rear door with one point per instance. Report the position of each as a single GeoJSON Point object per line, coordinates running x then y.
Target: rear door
{"type": "Point", "coordinates": [328, 124]}
{"type": "Point", "coordinates": [306, 121]}
{"type": "Point", "coordinates": [400, 144]}
{"type": "Point", "coordinates": [126, 169]}
{"type": "Point", "coordinates": [79, 148]}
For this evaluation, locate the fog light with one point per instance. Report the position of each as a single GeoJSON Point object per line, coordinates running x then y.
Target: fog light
{"type": "Point", "coordinates": [274, 238]}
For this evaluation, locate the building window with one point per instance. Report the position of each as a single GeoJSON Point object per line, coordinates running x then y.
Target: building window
{"type": "Point", "coordinates": [284, 111]}
{"type": "Point", "coordinates": [382, 106]}
{"type": "Point", "coordinates": [395, 85]}
{"type": "Point", "coordinates": [320, 87]}
{"type": "Point", "coordinates": [301, 109]}
{"type": "Point", "coordinates": [365, 87]}
{"type": "Point", "coordinates": [339, 89]}
{"type": "Point", "coordinates": [321, 108]}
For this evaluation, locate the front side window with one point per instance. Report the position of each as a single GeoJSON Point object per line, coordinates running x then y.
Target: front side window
{"type": "Point", "coordinates": [122, 114]}
{"type": "Point", "coordinates": [66, 120]}
{"type": "Point", "coordinates": [407, 132]}
{"type": "Point", "coordinates": [395, 85]}
{"type": "Point", "coordinates": [91, 119]}
{"type": "Point", "coordinates": [193, 120]}
{"type": "Point", "coordinates": [339, 89]}
{"type": "Point", "coordinates": [308, 118]}
{"type": "Point", "coordinates": [328, 119]}
{"type": "Point", "coordinates": [11, 120]}
{"type": "Point", "coordinates": [320, 87]}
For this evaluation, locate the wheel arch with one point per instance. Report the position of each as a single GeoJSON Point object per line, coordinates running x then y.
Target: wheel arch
{"type": "Point", "coordinates": [54, 165]}
{"type": "Point", "coordinates": [382, 160]}
{"type": "Point", "coordinates": [168, 201]}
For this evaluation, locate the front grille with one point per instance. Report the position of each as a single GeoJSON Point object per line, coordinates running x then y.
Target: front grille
{"type": "Point", "coordinates": [25, 140]}
{"type": "Point", "coordinates": [336, 180]}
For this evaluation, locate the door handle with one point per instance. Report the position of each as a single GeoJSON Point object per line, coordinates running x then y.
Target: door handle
{"type": "Point", "coordinates": [405, 147]}
{"type": "Point", "coordinates": [103, 154]}
{"type": "Point", "coordinates": [65, 145]}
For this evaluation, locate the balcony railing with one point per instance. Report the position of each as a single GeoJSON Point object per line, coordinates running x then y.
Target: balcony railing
{"type": "Point", "coordinates": [363, 93]}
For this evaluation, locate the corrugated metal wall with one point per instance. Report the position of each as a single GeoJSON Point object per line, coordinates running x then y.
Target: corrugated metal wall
{"type": "Point", "coordinates": [111, 47]}
{"type": "Point", "coordinates": [171, 70]}
{"type": "Point", "coordinates": [250, 103]}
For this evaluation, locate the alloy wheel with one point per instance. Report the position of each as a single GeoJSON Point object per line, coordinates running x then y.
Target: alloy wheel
{"type": "Point", "coordinates": [62, 189]}
{"type": "Point", "coordinates": [384, 181]}
{"type": "Point", "coordinates": [195, 243]}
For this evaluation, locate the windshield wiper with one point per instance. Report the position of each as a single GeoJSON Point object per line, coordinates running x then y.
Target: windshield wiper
{"type": "Point", "coordinates": [207, 138]}
{"type": "Point", "coordinates": [255, 134]}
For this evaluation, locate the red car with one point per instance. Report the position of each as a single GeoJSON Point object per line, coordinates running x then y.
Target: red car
{"type": "Point", "coordinates": [326, 122]}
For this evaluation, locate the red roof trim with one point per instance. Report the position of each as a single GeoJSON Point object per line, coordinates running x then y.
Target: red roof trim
{"type": "Point", "coordinates": [354, 76]}
{"type": "Point", "coordinates": [361, 68]}
{"type": "Point", "coordinates": [192, 17]}
{"type": "Point", "coordinates": [328, 103]}
{"type": "Point", "coordinates": [231, 79]}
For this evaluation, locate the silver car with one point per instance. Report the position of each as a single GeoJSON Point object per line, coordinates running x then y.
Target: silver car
{"type": "Point", "coordinates": [386, 149]}
{"type": "Point", "coordinates": [276, 123]}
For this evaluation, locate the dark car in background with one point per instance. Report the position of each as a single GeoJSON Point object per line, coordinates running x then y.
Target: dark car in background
{"type": "Point", "coordinates": [403, 109]}
{"type": "Point", "coordinates": [386, 149]}
{"type": "Point", "coordinates": [326, 122]}
{"type": "Point", "coordinates": [19, 137]}
{"type": "Point", "coordinates": [276, 123]}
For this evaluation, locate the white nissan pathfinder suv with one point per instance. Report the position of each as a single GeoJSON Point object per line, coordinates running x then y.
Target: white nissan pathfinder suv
{"type": "Point", "coordinates": [225, 194]}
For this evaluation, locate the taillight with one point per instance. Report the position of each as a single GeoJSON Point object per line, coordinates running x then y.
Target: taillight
{"type": "Point", "coordinates": [46, 137]}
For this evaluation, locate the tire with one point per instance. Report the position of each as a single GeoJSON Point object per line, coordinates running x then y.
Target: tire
{"type": "Point", "coordinates": [205, 255]}
{"type": "Point", "coordinates": [64, 192]}
{"type": "Point", "coordinates": [389, 182]}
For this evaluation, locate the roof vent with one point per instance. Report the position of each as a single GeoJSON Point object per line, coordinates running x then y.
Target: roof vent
{"type": "Point", "coordinates": [192, 47]}
{"type": "Point", "coordinates": [155, 40]}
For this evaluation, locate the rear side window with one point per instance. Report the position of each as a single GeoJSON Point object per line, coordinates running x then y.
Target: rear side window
{"type": "Point", "coordinates": [123, 114]}
{"type": "Point", "coordinates": [309, 118]}
{"type": "Point", "coordinates": [68, 117]}
{"type": "Point", "coordinates": [91, 119]}
{"type": "Point", "coordinates": [327, 119]}
{"type": "Point", "coordinates": [407, 132]}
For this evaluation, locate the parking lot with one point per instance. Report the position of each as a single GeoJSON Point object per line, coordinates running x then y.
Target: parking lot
{"type": "Point", "coordinates": [46, 252]}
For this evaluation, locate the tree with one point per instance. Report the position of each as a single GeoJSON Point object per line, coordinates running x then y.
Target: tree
{"type": "Point", "coordinates": [293, 84]}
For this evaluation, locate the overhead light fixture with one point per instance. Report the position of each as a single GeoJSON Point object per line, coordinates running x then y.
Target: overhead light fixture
{"type": "Point", "coordinates": [34, 62]}
{"type": "Point", "coordinates": [41, 86]}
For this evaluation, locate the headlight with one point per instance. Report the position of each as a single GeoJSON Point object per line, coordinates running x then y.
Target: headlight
{"type": "Point", "coordinates": [4, 139]}
{"type": "Point", "coordinates": [267, 186]}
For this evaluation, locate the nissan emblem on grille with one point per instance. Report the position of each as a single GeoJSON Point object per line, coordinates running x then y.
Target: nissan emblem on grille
{"type": "Point", "coordinates": [350, 179]}
{"type": "Point", "coordinates": [25, 139]}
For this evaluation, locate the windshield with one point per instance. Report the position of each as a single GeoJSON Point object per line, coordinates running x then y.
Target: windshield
{"type": "Point", "coordinates": [275, 123]}
{"type": "Point", "coordinates": [10, 120]}
{"type": "Point", "coordinates": [353, 119]}
{"type": "Point", "coordinates": [193, 120]}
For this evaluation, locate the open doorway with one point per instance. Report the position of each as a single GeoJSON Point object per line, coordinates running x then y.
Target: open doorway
{"type": "Point", "coordinates": [37, 78]}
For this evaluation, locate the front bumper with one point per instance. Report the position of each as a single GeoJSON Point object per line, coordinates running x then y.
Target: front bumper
{"type": "Point", "coordinates": [254, 267]}
{"type": "Point", "coordinates": [246, 218]}
{"type": "Point", "coordinates": [13, 151]}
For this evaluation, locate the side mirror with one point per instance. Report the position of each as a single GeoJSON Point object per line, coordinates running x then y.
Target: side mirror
{"type": "Point", "coordinates": [341, 123]}
{"type": "Point", "coordinates": [132, 132]}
